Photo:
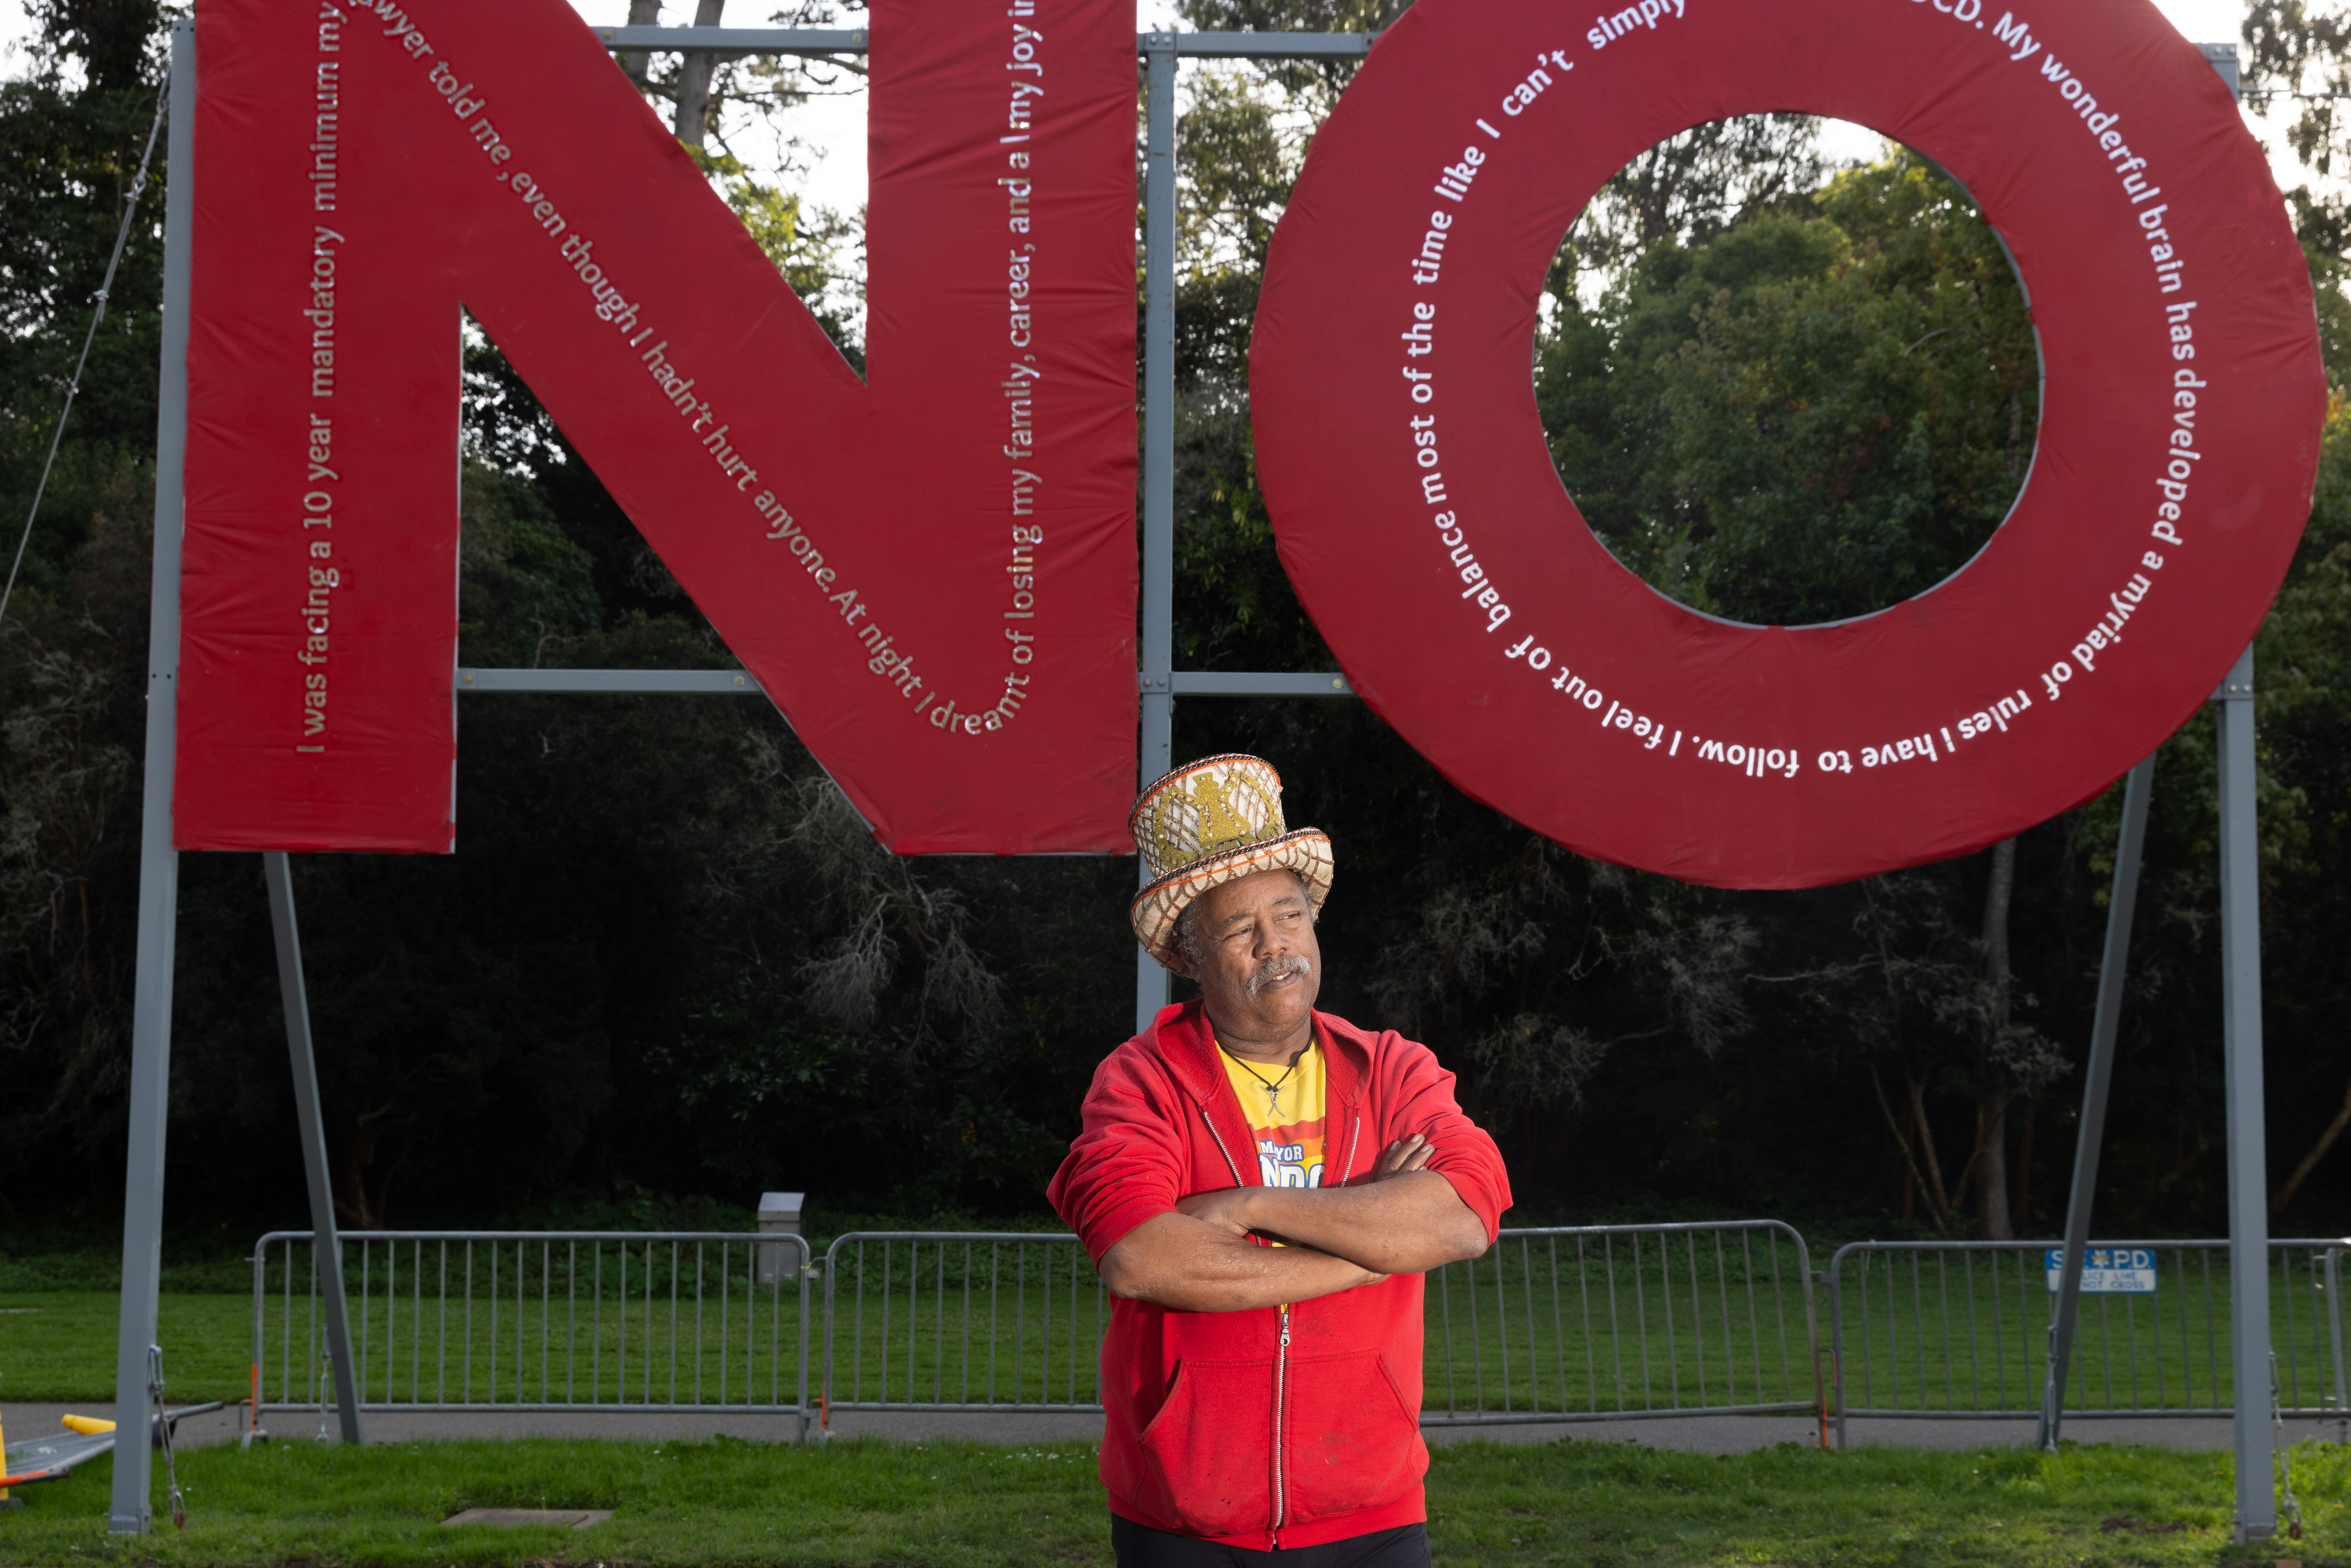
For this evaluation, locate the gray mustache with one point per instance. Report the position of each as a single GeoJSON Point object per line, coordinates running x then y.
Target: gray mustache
{"type": "Point", "coordinates": [1274, 969]}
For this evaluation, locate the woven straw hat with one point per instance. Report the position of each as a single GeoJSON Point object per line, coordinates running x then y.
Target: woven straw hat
{"type": "Point", "coordinates": [1206, 824]}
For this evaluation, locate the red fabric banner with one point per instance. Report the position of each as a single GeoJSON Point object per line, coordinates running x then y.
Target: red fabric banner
{"type": "Point", "coordinates": [1421, 518]}
{"type": "Point", "coordinates": [931, 571]}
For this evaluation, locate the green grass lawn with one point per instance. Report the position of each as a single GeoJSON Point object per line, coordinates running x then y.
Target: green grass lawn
{"type": "Point", "coordinates": [60, 1345]}
{"type": "Point", "coordinates": [1600, 1504]}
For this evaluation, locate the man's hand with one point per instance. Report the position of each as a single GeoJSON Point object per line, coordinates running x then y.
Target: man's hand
{"type": "Point", "coordinates": [1197, 1264]}
{"type": "Point", "coordinates": [1223, 1208]}
{"type": "Point", "coordinates": [1406, 1155]}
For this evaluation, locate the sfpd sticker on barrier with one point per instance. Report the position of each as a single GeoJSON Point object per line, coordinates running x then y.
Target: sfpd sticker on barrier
{"type": "Point", "coordinates": [2107, 1270]}
{"type": "Point", "coordinates": [1430, 536]}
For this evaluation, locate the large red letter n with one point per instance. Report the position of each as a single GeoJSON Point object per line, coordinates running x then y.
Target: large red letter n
{"type": "Point", "coordinates": [932, 573]}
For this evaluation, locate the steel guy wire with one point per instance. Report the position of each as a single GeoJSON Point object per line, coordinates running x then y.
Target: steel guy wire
{"type": "Point", "coordinates": [2284, 1452]}
{"type": "Point", "coordinates": [162, 1437]}
{"type": "Point", "coordinates": [73, 387]}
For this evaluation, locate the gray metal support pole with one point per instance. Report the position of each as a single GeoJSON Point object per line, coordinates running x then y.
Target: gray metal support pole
{"type": "Point", "coordinates": [1158, 460]}
{"type": "Point", "coordinates": [2113, 969]}
{"type": "Point", "coordinates": [130, 1510]}
{"type": "Point", "coordinates": [326, 1241]}
{"type": "Point", "coordinates": [2240, 1007]}
{"type": "Point", "coordinates": [2111, 976]}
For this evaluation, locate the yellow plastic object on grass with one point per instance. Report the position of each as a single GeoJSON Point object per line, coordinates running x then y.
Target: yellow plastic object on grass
{"type": "Point", "coordinates": [89, 1426]}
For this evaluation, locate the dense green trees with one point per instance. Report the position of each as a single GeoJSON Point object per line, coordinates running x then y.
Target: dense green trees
{"type": "Point", "coordinates": [1812, 415]}
{"type": "Point", "coordinates": [69, 737]}
{"type": "Point", "coordinates": [665, 959]}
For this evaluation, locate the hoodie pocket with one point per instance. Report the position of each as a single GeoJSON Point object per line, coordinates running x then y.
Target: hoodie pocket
{"type": "Point", "coordinates": [1352, 1442]}
{"type": "Point", "coordinates": [1206, 1454]}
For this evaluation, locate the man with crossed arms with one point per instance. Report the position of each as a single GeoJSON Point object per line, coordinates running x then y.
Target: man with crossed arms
{"type": "Point", "coordinates": [1261, 1186]}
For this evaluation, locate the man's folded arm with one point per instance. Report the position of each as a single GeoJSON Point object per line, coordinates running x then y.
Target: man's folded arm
{"type": "Point", "coordinates": [1404, 1223]}
{"type": "Point", "coordinates": [1193, 1265]}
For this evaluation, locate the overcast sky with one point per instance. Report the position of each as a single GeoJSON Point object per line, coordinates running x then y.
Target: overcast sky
{"type": "Point", "coordinates": [835, 129]}
{"type": "Point", "coordinates": [837, 126]}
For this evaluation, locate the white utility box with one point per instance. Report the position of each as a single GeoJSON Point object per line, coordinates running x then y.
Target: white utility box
{"type": "Point", "coordinates": [779, 1215]}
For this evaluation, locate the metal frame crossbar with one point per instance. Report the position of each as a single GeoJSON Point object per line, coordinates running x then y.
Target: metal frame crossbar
{"type": "Point", "coordinates": [743, 683]}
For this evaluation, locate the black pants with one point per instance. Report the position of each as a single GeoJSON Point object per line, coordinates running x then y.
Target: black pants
{"type": "Point", "coordinates": [1140, 1546]}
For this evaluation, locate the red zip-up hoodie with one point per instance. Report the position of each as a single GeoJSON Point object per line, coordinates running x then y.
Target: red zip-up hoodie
{"type": "Point", "coordinates": [1286, 1426]}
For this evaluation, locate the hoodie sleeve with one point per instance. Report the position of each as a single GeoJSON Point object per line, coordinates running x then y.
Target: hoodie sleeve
{"type": "Point", "coordinates": [1417, 1096]}
{"type": "Point", "coordinates": [1128, 1161]}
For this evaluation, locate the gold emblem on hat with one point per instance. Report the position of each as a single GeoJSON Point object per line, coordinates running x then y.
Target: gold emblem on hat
{"type": "Point", "coordinates": [1220, 827]}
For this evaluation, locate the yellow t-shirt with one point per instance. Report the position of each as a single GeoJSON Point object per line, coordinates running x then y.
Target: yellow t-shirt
{"type": "Point", "coordinates": [1287, 1122]}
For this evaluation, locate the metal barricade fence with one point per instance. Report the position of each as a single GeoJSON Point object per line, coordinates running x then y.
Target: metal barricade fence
{"type": "Point", "coordinates": [608, 1321]}
{"type": "Point", "coordinates": [1562, 1324]}
{"type": "Point", "coordinates": [1597, 1323]}
{"type": "Point", "coordinates": [1959, 1330]}
{"type": "Point", "coordinates": [1570, 1325]}
{"type": "Point", "coordinates": [983, 1320]}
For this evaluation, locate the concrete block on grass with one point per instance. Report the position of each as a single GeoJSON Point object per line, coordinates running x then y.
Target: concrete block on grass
{"type": "Point", "coordinates": [575, 1518]}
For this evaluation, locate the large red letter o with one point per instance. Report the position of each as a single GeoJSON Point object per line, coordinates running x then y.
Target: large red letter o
{"type": "Point", "coordinates": [2179, 438]}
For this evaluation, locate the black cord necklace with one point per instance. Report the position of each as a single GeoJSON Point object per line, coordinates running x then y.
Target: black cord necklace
{"type": "Point", "coordinates": [1272, 1085]}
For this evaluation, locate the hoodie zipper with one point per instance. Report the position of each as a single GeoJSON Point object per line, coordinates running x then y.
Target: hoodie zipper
{"type": "Point", "coordinates": [1280, 1420]}
{"type": "Point", "coordinates": [1281, 1349]}
{"type": "Point", "coordinates": [1282, 1369]}
{"type": "Point", "coordinates": [1281, 1352]}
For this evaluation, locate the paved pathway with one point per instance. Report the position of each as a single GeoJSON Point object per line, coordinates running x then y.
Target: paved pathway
{"type": "Point", "coordinates": [1701, 1434]}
